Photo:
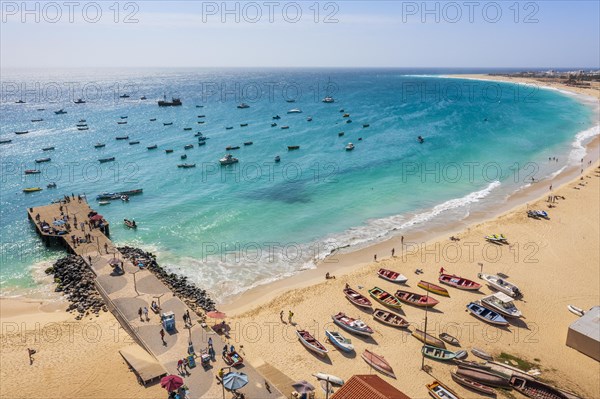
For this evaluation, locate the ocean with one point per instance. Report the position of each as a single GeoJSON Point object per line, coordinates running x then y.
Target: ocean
{"type": "Point", "coordinates": [234, 227]}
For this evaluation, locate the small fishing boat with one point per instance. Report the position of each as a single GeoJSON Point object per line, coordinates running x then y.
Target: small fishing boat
{"type": "Point", "coordinates": [293, 147]}
{"type": "Point", "coordinates": [152, 119]}
{"type": "Point", "coordinates": [20, 102]}
{"type": "Point", "coordinates": [131, 192]}
{"type": "Point", "coordinates": [339, 341]}
{"type": "Point", "coordinates": [329, 377]}
{"type": "Point", "coordinates": [428, 339]}
{"type": "Point", "coordinates": [248, 143]}
{"type": "Point", "coordinates": [357, 298]}
{"type": "Point", "coordinates": [187, 129]}
{"type": "Point", "coordinates": [277, 158]}
{"type": "Point", "coordinates": [79, 101]}
{"type": "Point", "coordinates": [295, 111]}
{"type": "Point", "coordinates": [167, 123]}
{"type": "Point", "coordinates": [243, 124]}
{"type": "Point", "coordinates": [433, 352]}
{"type": "Point", "coordinates": [328, 100]}
{"type": "Point", "coordinates": [459, 282]}
{"type": "Point", "coordinates": [389, 318]}
{"type": "Point", "coordinates": [461, 354]}
{"type": "Point", "coordinates": [366, 125]}
{"type": "Point", "coordinates": [349, 147]}
{"type": "Point", "coordinates": [37, 120]}
{"type": "Point", "coordinates": [309, 119]}
{"type": "Point", "coordinates": [48, 149]}
{"type": "Point", "coordinates": [134, 142]}
{"type": "Point", "coordinates": [228, 127]}
{"type": "Point", "coordinates": [536, 389]}
{"type": "Point", "coordinates": [175, 102]}
{"type": "Point", "coordinates": [143, 98]}
{"type": "Point", "coordinates": [449, 339]}
{"type": "Point", "coordinates": [42, 160]}
{"type": "Point", "coordinates": [228, 160]}
{"type": "Point", "coordinates": [355, 326]}
{"type": "Point", "coordinates": [81, 125]}
{"type": "Point", "coordinates": [285, 127]}
{"type": "Point", "coordinates": [473, 365]}
{"type": "Point", "coordinates": [436, 289]}
{"type": "Point", "coordinates": [485, 377]}
{"type": "Point", "coordinates": [482, 354]}
{"type": "Point", "coordinates": [501, 303]}
{"type": "Point", "coordinates": [22, 132]}
{"type": "Point", "coordinates": [188, 146]}
{"type": "Point", "coordinates": [243, 106]}
{"type": "Point", "coordinates": [486, 314]}
{"type": "Point", "coordinates": [83, 128]}
{"type": "Point", "coordinates": [232, 147]}
{"type": "Point", "coordinates": [5, 141]}
{"type": "Point", "coordinates": [122, 138]}
{"type": "Point", "coordinates": [276, 117]}
{"type": "Point", "coordinates": [168, 151]}
{"type": "Point", "coordinates": [32, 189]}
{"type": "Point", "coordinates": [201, 143]}
{"type": "Point", "coordinates": [575, 310]}
{"type": "Point", "coordinates": [200, 122]}
{"type": "Point", "coordinates": [311, 343]}
{"type": "Point", "coordinates": [121, 122]}
{"type": "Point", "coordinates": [201, 116]}
{"type": "Point", "coordinates": [341, 134]}
{"type": "Point", "coordinates": [392, 276]}
{"type": "Point", "coordinates": [103, 202]}
{"type": "Point", "coordinates": [60, 112]}
{"type": "Point", "coordinates": [346, 116]}
{"type": "Point", "coordinates": [51, 185]}
{"type": "Point", "coordinates": [32, 171]}
{"type": "Point", "coordinates": [438, 390]}
{"type": "Point", "coordinates": [500, 284]}
{"type": "Point", "coordinates": [202, 138]}
{"type": "Point", "coordinates": [420, 139]}
{"type": "Point", "coordinates": [184, 156]}
{"type": "Point", "coordinates": [99, 145]}
{"type": "Point", "coordinates": [152, 147]}
{"type": "Point", "coordinates": [124, 96]}
{"type": "Point", "coordinates": [378, 362]}
{"type": "Point", "coordinates": [41, 109]}
{"type": "Point", "coordinates": [290, 101]}
{"type": "Point", "coordinates": [385, 298]}
{"type": "Point", "coordinates": [104, 160]}
{"type": "Point", "coordinates": [273, 124]}
{"type": "Point", "coordinates": [419, 300]}
{"type": "Point", "coordinates": [130, 223]}
{"type": "Point", "coordinates": [465, 382]}
{"type": "Point", "coordinates": [186, 165]}
{"type": "Point", "coordinates": [81, 121]}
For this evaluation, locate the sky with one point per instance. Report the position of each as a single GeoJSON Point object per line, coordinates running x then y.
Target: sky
{"type": "Point", "coordinates": [499, 34]}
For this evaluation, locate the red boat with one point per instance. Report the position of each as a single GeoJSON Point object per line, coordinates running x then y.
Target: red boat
{"type": "Point", "coordinates": [459, 282]}
{"type": "Point", "coordinates": [422, 301]}
{"type": "Point", "coordinates": [311, 342]}
{"type": "Point", "coordinates": [392, 276]}
{"type": "Point", "coordinates": [436, 289]}
{"type": "Point", "coordinates": [378, 362]}
{"type": "Point", "coordinates": [356, 298]}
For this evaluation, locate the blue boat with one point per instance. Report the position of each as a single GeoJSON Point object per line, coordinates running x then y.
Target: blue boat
{"type": "Point", "coordinates": [486, 315]}
{"type": "Point", "coordinates": [339, 341]}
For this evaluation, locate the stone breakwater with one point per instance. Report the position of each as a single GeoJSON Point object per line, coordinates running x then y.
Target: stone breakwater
{"type": "Point", "coordinates": [76, 281]}
{"type": "Point", "coordinates": [196, 298]}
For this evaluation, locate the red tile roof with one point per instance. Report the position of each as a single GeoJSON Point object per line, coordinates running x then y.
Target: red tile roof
{"type": "Point", "coordinates": [368, 387]}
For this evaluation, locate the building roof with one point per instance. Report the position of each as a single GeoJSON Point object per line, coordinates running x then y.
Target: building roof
{"type": "Point", "coordinates": [588, 324]}
{"type": "Point", "coordinates": [368, 387]}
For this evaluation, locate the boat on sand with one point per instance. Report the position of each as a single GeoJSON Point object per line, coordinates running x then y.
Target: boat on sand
{"type": "Point", "coordinates": [392, 276]}
{"type": "Point", "coordinates": [459, 282]}
{"type": "Point", "coordinates": [355, 326]}
{"type": "Point", "coordinates": [378, 362]}
{"type": "Point", "coordinates": [390, 318]}
{"type": "Point", "coordinates": [449, 339]}
{"type": "Point", "coordinates": [438, 390]}
{"type": "Point", "coordinates": [339, 341]}
{"type": "Point", "coordinates": [385, 298]}
{"type": "Point", "coordinates": [311, 343]}
{"type": "Point", "coordinates": [436, 353]}
{"type": "Point", "coordinates": [436, 289]}
{"type": "Point", "coordinates": [415, 299]}
{"type": "Point", "coordinates": [536, 389]}
{"type": "Point", "coordinates": [475, 386]}
{"type": "Point", "coordinates": [486, 314]}
{"type": "Point", "coordinates": [428, 339]}
{"type": "Point", "coordinates": [357, 298]}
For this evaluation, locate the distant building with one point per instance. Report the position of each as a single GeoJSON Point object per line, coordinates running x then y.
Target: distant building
{"type": "Point", "coordinates": [584, 334]}
{"type": "Point", "coordinates": [368, 387]}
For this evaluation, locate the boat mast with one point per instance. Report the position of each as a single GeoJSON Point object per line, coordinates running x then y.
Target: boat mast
{"type": "Point", "coordinates": [425, 336]}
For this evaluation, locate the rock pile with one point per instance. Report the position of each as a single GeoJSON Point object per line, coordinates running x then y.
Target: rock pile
{"type": "Point", "coordinates": [73, 278]}
{"type": "Point", "coordinates": [197, 299]}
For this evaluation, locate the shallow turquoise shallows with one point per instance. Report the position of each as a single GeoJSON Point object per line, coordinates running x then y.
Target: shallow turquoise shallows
{"type": "Point", "coordinates": [229, 228]}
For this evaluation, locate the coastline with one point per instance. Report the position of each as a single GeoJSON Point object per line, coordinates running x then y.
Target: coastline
{"type": "Point", "coordinates": [350, 260]}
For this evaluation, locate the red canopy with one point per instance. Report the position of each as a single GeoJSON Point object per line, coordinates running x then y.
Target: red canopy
{"type": "Point", "coordinates": [171, 382]}
{"type": "Point", "coordinates": [97, 217]}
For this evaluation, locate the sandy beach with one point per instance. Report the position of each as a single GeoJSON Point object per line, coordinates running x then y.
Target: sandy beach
{"type": "Point", "coordinates": [554, 262]}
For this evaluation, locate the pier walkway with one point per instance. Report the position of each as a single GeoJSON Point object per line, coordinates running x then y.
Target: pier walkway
{"type": "Point", "coordinates": [137, 287]}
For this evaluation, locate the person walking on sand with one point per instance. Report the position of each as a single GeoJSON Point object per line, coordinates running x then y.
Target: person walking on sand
{"type": "Point", "coordinates": [162, 336]}
{"type": "Point", "coordinates": [31, 352]}
{"type": "Point", "coordinates": [290, 316]}
{"type": "Point", "coordinates": [180, 366]}
{"type": "Point", "coordinates": [442, 270]}
{"type": "Point", "coordinates": [140, 312]}
{"type": "Point", "coordinates": [281, 316]}
{"type": "Point", "coordinates": [375, 258]}
{"type": "Point", "coordinates": [402, 240]}
{"type": "Point", "coordinates": [106, 247]}
{"type": "Point", "coordinates": [393, 252]}
{"type": "Point", "coordinates": [146, 313]}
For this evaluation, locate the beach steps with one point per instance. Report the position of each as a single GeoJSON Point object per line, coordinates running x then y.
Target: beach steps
{"type": "Point", "coordinates": [275, 377]}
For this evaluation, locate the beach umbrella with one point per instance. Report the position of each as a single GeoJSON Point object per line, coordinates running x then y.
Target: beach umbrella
{"type": "Point", "coordinates": [171, 382]}
{"type": "Point", "coordinates": [97, 217]}
{"type": "Point", "coordinates": [216, 315]}
{"type": "Point", "coordinates": [303, 386]}
{"type": "Point", "coordinates": [234, 381]}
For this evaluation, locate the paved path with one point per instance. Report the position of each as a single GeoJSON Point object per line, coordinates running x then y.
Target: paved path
{"type": "Point", "coordinates": [126, 293]}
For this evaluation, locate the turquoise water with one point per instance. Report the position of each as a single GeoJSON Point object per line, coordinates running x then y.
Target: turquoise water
{"type": "Point", "coordinates": [229, 228]}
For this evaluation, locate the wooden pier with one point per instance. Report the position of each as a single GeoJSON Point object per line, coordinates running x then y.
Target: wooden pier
{"type": "Point", "coordinates": [125, 293]}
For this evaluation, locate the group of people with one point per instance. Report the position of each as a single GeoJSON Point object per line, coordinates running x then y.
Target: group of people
{"type": "Point", "coordinates": [143, 311]}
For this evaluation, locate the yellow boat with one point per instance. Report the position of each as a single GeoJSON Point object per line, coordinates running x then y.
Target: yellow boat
{"type": "Point", "coordinates": [32, 189]}
{"type": "Point", "coordinates": [385, 298]}
{"type": "Point", "coordinates": [436, 289]}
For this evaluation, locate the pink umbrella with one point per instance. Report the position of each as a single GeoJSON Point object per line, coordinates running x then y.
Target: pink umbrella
{"type": "Point", "coordinates": [216, 315]}
{"type": "Point", "coordinates": [97, 217]}
{"type": "Point", "coordinates": [171, 382]}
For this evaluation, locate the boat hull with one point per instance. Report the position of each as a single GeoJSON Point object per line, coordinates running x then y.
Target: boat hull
{"type": "Point", "coordinates": [436, 289]}
{"type": "Point", "coordinates": [378, 363]}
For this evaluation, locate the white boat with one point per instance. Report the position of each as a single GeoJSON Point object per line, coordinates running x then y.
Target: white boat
{"type": "Point", "coordinates": [295, 111]}
{"type": "Point", "coordinates": [103, 202]}
{"type": "Point", "coordinates": [339, 341]}
{"type": "Point", "coordinates": [349, 147]}
{"type": "Point", "coordinates": [328, 100]}
{"type": "Point", "coordinates": [575, 310]}
{"type": "Point", "coordinates": [228, 160]}
{"type": "Point", "coordinates": [277, 158]}
{"type": "Point", "coordinates": [500, 284]}
{"type": "Point", "coordinates": [501, 303]}
{"type": "Point", "coordinates": [243, 105]}
{"type": "Point", "coordinates": [329, 377]}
